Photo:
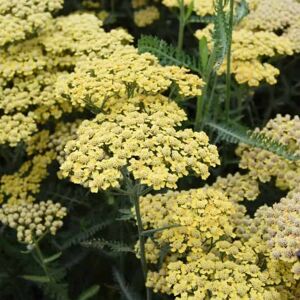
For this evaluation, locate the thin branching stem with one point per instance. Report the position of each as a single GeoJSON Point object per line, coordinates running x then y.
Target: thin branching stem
{"type": "Point", "coordinates": [181, 25]}
{"type": "Point", "coordinates": [41, 261]}
{"type": "Point", "coordinates": [134, 197]}
{"type": "Point", "coordinates": [228, 67]}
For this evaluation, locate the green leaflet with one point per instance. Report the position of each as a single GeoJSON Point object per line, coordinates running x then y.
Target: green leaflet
{"type": "Point", "coordinates": [235, 133]}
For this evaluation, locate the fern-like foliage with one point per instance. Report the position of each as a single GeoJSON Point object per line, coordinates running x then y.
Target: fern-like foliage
{"type": "Point", "coordinates": [234, 133]}
{"type": "Point", "coordinates": [167, 54]}
{"type": "Point", "coordinates": [85, 234]}
{"type": "Point", "coordinates": [242, 10]}
{"type": "Point", "coordinates": [112, 246]}
{"type": "Point", "coordinates": [127, 292]}
{"type": "Point", "coordinates": [220, 35]}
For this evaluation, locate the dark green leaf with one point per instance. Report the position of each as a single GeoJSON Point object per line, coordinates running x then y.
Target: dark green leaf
{"type": "Point", "coordinates": [90, 292]}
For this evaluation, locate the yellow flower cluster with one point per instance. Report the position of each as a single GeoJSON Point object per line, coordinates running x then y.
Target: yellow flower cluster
{"type": "Point", "coordinates": [81, 34]}
{"type": "Point", "coordinates": [32, 70]}
{"type": "Point", "coordinates": [25, 183]}
{"type": "Point", "coordinates": [35, 92]}
{"type": "Point", "coordinates": [16, 128]}
{"type": "Point", "coordinates": [33, 220]}
{"type": "Point", "coordinates": [200, 7]}
{"type": "Point", "coordinates": [44, 141]}
{"type": "Point", "coordinates": [144, 140]}
{"type": "Point", "coordinates": [138, 3]}
{"type": "Point", "coordinates": [146, 16]}
{"type": "Point", "coordinates": [282, 230]}
{"type": "Point", "coordinates": [264, 165]}
{"type": "Point", "coordinates": [248, 47]}
{"type": "Point", "coordinates": [42, 148]}
{"type": "Point", "coordinates": [197, 215]}
{"type": "Point", "coordinates": [205, 257]}
{"type": "Point", "coordinates": [20, 18]}
{"type": "Point", "coordinates": [274, 15]}
{"type": "Point", "coordinates": [238, 187]}
{"type": "Point", "coordinates": [121, 74]}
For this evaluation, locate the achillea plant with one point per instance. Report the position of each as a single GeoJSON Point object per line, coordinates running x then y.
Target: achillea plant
{"type": "Point", "coordinates": [105, 129]}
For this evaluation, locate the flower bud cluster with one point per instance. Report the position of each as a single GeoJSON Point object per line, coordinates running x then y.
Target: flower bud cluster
{"type": "Point", "coordinates": [31, 221]}
{"type": "Point", "coordinates": [274, 15]}
{"type": "Point", "coordinates": [282, 230]}
{"type": "Point", "coordinates": [238, 187]}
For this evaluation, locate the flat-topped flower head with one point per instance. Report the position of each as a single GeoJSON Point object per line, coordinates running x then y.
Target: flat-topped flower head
{"type": "Point", "coordinates": [31, 221]}
{"type": "Point", "coordinates": [238, 187]}
{"type": "Point", "coordinates": [146, 16]}
{"type": "Point", "coordinates": [24, 184]}
{"type": "Point", "coordinates": [124, 73]}
{"type": "Point", "coordinates": [82, 34]}
{"type": "Point", "coordinates": [248, 47]}
{"type": "Point", "coordinates": [21, 18]}
{"type": "Point", "coordinates": [142, 139]}
{"type": "Point", "coordinates": [203, 254]}
{"type": "Point", "coordinates": [264, 165]}
{"type": "Point", "coordinates": [282, 230]}
{"type": "Point", "coordinates": [16, 128]}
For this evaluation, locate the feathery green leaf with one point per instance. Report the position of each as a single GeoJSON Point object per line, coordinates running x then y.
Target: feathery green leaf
{"type": "Point", "coordinates": [85, 234]}
{"type": "Point", "coordinates": [126, 291]}
{"type": "Point", "coordinates": [235, 133]}
{"type": "Point", "coordinates": [167, 54]}
{"type": "Point", "coordinates": [114, 246]}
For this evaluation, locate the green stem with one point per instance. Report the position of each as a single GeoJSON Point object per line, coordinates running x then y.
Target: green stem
{"type": "Point", "coordinates": [228, 75]}
{"type": "Point", "coordinates": [134, 197]}
{"type": "Point", "coordinates": [181, 25]}
{"type": "Point", "coordinates": [41, 261]}
{"type": "Point", "coordinates": [112, 6]}
{"type": "Point", "coordinates": [199, 113]}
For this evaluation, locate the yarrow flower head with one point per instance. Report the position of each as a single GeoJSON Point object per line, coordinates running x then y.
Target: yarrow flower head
{"type": "Point", "coordinates": [282, 231]}
{"type": "Point", "coordinates": [203, 255]}
{"type": "Point", "coordinates": [264, 165]}
{"type": "Point", "coordinates": [16, 128]}
{"type": "Point", "coordinates": [124, 73]}
{"type": "Point", "coordinates": [31, 221]}
{"type": "Point", "coordinates": [276, 15]}
{"type": "Point", "coordinates": [24, 184]}
{"type": "Point", "coordinates": [201, 8]}
{"type": "Point", "coordinates": [145, 140]}
{"type": "Point", "coordinates": [20, 18]}
{"type": "Point", "coordinates": [238, 187]}
{"type": "Point", "coordinates": [248, 47]}
{"type": "Point", "coordinates": [146, 16]}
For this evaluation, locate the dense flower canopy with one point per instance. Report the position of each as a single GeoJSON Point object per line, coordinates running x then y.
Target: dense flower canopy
{"type": "Point", "coordinates": [113, 133]}
{"type": "Point", "coordinates": [142, 138]}
{"type": "Point", "coordinates": [205, 256]}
